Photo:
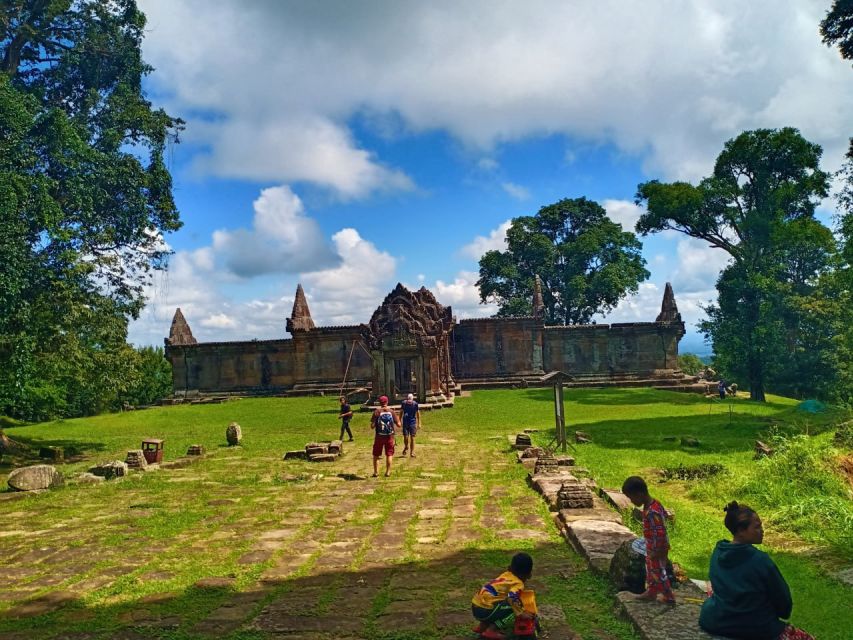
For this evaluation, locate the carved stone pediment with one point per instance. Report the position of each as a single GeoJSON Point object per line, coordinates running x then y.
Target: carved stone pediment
{"type": "Point", "coordinates": [407, 319]}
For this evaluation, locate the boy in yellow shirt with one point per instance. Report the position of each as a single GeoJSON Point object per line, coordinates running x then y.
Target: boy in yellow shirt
{"type": "Point", "coordinates": [498, 604]}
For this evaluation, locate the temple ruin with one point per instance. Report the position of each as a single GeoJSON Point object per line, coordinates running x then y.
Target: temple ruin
{"type": "Point", "coordinates": [413, 344]}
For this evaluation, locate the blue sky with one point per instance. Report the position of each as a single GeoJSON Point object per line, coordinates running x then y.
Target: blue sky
{"type": "Point", "coordinates": [350, 146]}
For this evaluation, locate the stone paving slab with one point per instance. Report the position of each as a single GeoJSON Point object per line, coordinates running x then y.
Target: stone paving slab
{"type": "Point", "coordinates": [659, 621]}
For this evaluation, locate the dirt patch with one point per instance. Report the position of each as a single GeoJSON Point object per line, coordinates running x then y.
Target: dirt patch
{"type": "Point", "coordinates": [845, 464]}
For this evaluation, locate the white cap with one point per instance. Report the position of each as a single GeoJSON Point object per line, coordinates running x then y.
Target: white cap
{"type": "Point", "coordinates": [410, 397]}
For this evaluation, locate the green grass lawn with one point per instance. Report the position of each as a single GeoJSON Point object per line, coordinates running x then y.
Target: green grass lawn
{"type": "Point", "coordinates": [632, 432]}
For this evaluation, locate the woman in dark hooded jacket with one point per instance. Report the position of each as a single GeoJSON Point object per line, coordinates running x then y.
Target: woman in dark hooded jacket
{"type": "Point", "coordinates": [750, 599]}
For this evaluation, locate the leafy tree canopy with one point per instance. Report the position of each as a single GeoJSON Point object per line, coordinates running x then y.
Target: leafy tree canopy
{"type": "Point", "coordinates": [758, 206]}
{"type": "Point", "coordinates": [85, 196]}
{"type": "Point", "coordinates": [586, 262]}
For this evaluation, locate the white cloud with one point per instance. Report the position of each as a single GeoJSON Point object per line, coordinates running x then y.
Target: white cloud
{"type": "Point", "coordinates": [516, 190]}
{"type": "Point", "coordinates": [488, 164]}
{"type": "Point", "coordinates": [463, 295]}
{"type": "Point", "coordinates": [624, 212]}
{"type": "Point", "coordinates": [278, 106]}
{"type": "Point", "coordinates": [698, 266]}
{"type": "Point", "coordinates": [282, 239]}
{"type": "Point", "coordinates": [349, 293]}
{"type": "Point", "coordinates": [219, 321]}
{"type": "Point", "coordinates": [496, 240]}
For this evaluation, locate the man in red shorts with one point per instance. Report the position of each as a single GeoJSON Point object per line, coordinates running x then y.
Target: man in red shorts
{"type": "Point", "coordinates": [384, 422]}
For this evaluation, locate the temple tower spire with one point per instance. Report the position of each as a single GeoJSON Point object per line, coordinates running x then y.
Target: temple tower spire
{"type": "Point", "coordinates": [180, 332]}
{"type": "Point", "coordinates": [538, 302]}
{"type": "Point", "coordinates": [668, 308]}
{"type": "Point", "coordinates": [300, 317]}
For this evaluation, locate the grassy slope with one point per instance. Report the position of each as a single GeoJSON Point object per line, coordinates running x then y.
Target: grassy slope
{"type": "Point", "coordinates": [628, 428]}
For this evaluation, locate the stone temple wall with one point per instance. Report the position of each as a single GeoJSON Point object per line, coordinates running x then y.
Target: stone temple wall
{"type": "Point", "coordinates": [269, 366]}
{"type": "Point", "coordinates": [411, 333]}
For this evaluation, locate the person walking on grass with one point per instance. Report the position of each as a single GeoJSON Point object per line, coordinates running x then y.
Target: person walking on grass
{"type": "Point", "coordinates": [345, 417]}
{"type": "Point", "coordinates": [750, 599]}
{"type": "Point", "coordinates": [655, 538]}
{"type": "Point", "coordinates": [411, 423]}
{"type": "Point", "coordinates": [384, 423]}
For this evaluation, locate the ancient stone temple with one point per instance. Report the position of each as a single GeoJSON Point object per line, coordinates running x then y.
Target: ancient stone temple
{"type": "Point", "coordinates": [413, 344]}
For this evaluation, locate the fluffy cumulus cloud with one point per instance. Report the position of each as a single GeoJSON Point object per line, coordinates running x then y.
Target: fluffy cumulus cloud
{"type": "Point", "coordinates": [624, 212]}
{"type": "Point", "coordinates": [276, 83]}
{"type": "Point", "coordinates": [463, 295]}
{"type": "Point", "coordinates": [496, 240]}
{"type": "Point", "coordinates": [344, 277]}
{"type": "Point", "coordinates": [282, 239]}
{"type": "Point", "coordinates": [516, 191]}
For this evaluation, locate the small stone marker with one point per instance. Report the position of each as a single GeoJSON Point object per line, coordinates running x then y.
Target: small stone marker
{"type": "Point", "coordinates": [233, 434]}
{"type": "Point", "coordinates": [581, 437]}
{"type": "Point", "coordinates": [110, 470]}
{"type": "Point", "coordinates": [762, 450]}
{"type": "Point", "coordinates": [136, 459]}
{"type": "Point", "coordinates": [299, 454]}
{"type": "Point", "coordinates": [195, 450]}
{"type": "Point", "coordinates": [687, 441]}
{"type": "Point", "coordinates": [574, 495]}
{"type": "Point", "coordinates": [565, 461]}
{"type": "Point", "coordinates": [532, 452]}
{"type": "Point", "coordinates": [56, 454]}
{"type": "Point", "coordinates": [323, 457]}
{"type": "Point", "coordinates": [34, 478]}
{"type": "Point", "coordinates": [522, 441]}
{"type": "Point", "coordinates": [336, 447]}
{"type": "Point", "coordinates": [547, 463]}
{"type": "Point", "coordinates": [617, 499]}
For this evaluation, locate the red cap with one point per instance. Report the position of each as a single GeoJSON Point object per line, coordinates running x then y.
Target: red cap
{"type": "Point", "coordinates": [383, 399]}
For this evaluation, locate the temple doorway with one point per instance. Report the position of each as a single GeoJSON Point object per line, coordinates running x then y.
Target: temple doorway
{"type": "Point", "coordinates": [404, 376]}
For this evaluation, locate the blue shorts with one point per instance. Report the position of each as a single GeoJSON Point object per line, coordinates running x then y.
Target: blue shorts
{"type": "Point", "coordinates": [410, 430]}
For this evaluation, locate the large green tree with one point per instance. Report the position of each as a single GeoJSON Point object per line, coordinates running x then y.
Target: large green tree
{"type": "Point", "coordinates": [757, 206]}
{"type": "Point", "coordinates": [85, 196]}
{"type": "Point", "coordinates": [586, 262]}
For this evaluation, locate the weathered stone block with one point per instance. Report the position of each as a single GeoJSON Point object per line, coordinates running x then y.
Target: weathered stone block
{"type": "Point", "coordinates": [581, 437]}
{"type": "Point", "coordinates": [618, 499]}
{"type": "Point", "coordinates": [34, 478]}
{"type": "Point", "coordinates": [234, 434]}
{"type": "Point", "coordinates": [315, 448]}
{"type": "Point", "coordinates": [299, 454]}
{"type": "Point", "coordinates": [598, 539]}
{"type": "Point", "coordinates": [135, 459]}
{"type": "Point", "coordinates": [336, 447]}
{"type": "Point", "coordinates": [565, 461]}
{"type": "Point", "coordinates": [574, 495]}
{"type": "Point", "coordinates": [323, 457]}
{"type": "Point", "coordinates": [533, 452]}
{"type": "Point", "coordinates": [195, 450]}
{"type": "Point", "coordinates": [90, 478]}
{"type": "Point", "coordinates": [523, 440]}
{"type": "Point", "coordinates": [56, 454]}
{"type": "Point", "coordinates": [110, 470]}
{"type": "Point", "coordinates": [762, 450]}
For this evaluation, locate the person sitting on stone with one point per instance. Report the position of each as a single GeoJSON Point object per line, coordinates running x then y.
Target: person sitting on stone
{"type": "Point", "coordinates": [655, 538]}
{"type": "Point", "coordinates": [498, 604]}
{"type": "Point", "coordinates": [750, 599]}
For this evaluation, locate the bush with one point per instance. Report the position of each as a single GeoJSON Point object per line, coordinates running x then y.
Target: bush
{"type": "Point", "coordinates": [799, 488]}
{"type": "Point", "coordinates": [692, 472]}
{"type": "Point", "coordinates": [690, 364]}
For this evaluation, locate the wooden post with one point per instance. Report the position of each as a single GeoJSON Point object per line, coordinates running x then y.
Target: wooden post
{"type": "Point", "coordinates": [559, 415]}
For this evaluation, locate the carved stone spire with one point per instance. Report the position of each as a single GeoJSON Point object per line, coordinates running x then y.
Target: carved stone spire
{"type": "Point", "coordinates": [668, 308]}
{"type": "Point", "coordinates": [538, 303]}
{"type": "Point", "coordinates": [180, 333]}
{"type": "Point", "coordinates": [300, 317]}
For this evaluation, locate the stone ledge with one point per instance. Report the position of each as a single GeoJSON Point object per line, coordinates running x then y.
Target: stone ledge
{"type": "Point", "coordinates": [658, 621]}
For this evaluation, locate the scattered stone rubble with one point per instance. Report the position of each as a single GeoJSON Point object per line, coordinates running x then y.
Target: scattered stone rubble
{"type": "Point", "coordinates": [110, 470]}
{"type": "Point", "coordinates": [587, 520]}
{"type": "Point", "coordinates": [55, 454]}
{"type": "Point", "coordinates": [317, 451]}
{"type": "Point", "coordinates": [522, 441]}
{"type": "Point", "coordinates": [762, 450]}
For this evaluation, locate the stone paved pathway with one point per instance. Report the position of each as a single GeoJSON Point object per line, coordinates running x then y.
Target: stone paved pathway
{"type": "Point", "coordinates": [236, 542]}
